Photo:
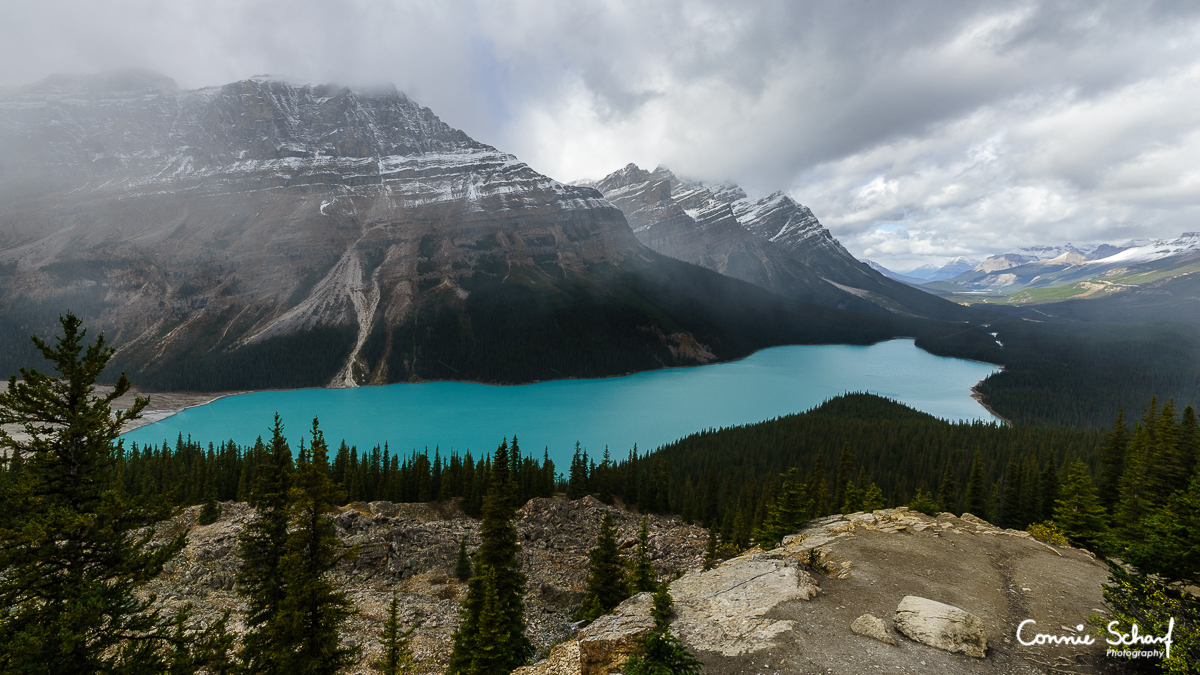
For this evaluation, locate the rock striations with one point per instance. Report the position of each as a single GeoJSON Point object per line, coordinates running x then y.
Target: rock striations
{"type": "Point", "coordinates": [263, 234]}
{"type": "Point", "coordinates": [772, 242]}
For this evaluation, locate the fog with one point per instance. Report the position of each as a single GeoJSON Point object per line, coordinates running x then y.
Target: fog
{"type": "Point", "coordinates": [915, 131]}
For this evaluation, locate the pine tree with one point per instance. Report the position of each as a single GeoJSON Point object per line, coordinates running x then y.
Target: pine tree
{"type": "Point", "coordinates": [975, 500]}
{"type": "Point", "coordinates": [397, 655]}
{"type": "Point", "coordinates": [872, 499]}
{"type": "Point", "coordinates": [491, 635]}
{"type": "Point", "coordinates": [577, 481]}
{"type": "Point", "coordinates": [263, 542]}
{"type": "Point", "coordinates": [313, 610]}
{"type": "Point", "coordinates": [710, 549]}
{"type": "Point", "coordinates": [462, 566]}
{"type": "Point", "coordinates": [642, 576]}
{"type": "Point", "coordinates": [1112, 462]}
{"type": "Point", "coordinates": [660, 652]}
{"type": "Point", "coordinates": [71, 565]}
{"type": "Point", "coordinates": [924, 503]}
{"type": "Point", "coordinates": [789, 511]}
{"type": "Point", "coordinates": [845, 471]}
{"type": "Point", "coordinates": [947, 498]}
{"type": "Point", "coordinates": [1171, 548]}
{"type": "Point", "coordinates": [606, 583]}
{"type": "Point", "coordinates": [1079, 512]}
{"type": "Point", "coordinates": [211, 511]}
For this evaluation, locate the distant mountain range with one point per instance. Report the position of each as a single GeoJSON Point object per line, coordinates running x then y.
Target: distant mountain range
{"type": "Point", "coordinates": [1141, 281]}
{"type": "Point", "coordinates": [772, 242]}
{"type": "Point", "coordinates": [262, 234]}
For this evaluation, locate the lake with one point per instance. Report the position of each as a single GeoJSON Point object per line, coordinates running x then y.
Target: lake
{"type": "Point", "coordinates": [649, 409]}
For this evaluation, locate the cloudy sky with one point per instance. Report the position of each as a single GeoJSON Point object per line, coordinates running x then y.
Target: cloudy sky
{"type": "Point", "coordinates": [915, 131]}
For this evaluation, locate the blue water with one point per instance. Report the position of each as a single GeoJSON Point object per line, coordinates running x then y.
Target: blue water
{"type": "Point", "coordinates": [648, 409]}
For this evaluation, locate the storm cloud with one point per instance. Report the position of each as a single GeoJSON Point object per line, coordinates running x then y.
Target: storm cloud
{"type": "Point", "coordinates": [915, 131]}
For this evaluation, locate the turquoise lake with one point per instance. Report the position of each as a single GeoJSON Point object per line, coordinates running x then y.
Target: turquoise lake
{"type": "Point", "coordinates": [649, 409]}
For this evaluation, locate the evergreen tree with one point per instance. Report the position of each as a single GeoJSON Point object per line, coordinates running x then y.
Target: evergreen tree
{"type": "Point", "coordinates": [491, 635]}
{"type": "Point", "coordinates": [710, 549]}
{"type": "Point", "coordinates": [1049, 490]}
{"type": "Point", "coordinates": [947, 498]}
{"type": "Point", "coordinates": [1134, 504]}
{"type": "Point", "coordinates": [606, 584]}
{"type": "Point", "coordinates": [924, 503]}
{"type": "Point", "coordinates": [787, 514]}
{"type": "Point", "coordinates": [211, 511]}
{"type": "Point", "coordinates": [660, 652]}
{"type": "Point", "coordinates": [71, 566]}
{"type": "Point", "coordinates": [397, 655]}
{"type": "Point", "coordinates": [462, 566]}
{"type": "Point", "coordinates": [1112, 462]}
{"type": "Point", "coordinates": [313, 610]}
{"type": "Point", "coordinates": [642, 576]}
{"type": "Point", "coordinates": [975, 500]}
{"type": "Point", "coordinates": [845, 471]}
{"type": "Point", "coordinates": [1171, 548]}
{"type": "Point", "coordinates": [1079, 513]}
{"type": "Point", "coordinates": [872, 498]}
{"type": "Point", "coordinates": [263, 543]}
{"type": "Point", "coordinates": [577, 481]}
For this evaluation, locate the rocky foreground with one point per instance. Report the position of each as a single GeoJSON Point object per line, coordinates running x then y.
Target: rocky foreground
{"type": "Point", "coordinates": [889, 591]}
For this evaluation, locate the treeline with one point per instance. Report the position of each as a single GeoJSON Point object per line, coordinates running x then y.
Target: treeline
{"type": "Point", "coordinates": [189, 473]}
{"type": "Point", "coordinates": [851, 453]}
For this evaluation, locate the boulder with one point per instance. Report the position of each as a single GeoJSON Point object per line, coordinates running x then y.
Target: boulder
{"type": "Point", "coordinates": [871, 626]}
{"type": "Point", "coordinates": [940, 625]}
{"type": "Point", "coordinates": [607, 642]}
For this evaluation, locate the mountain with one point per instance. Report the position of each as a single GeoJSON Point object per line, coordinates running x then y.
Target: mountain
{"type": "Point", "coordinates": [912, 281]}
{"type": "Point", "coordinates": [951, 269]}
{"type": "Point", "coordinates": [1149, 281]}
{"type": "Point", "coordinates": [772, 242]}
{"type": "Point", "coordinates": [264, 234]}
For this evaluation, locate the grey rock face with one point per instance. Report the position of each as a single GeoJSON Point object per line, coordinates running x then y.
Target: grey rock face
{"type": "Point", "coordinates": [772, 242]}
{"type": "Point", "coordinates": [871, 626]}
{"type": "Point", "coordinates": [940, 625]}
{"type": "Point", "coordinates": [608, 641]}
{"type": "Point", "coordinates": [208, 221]}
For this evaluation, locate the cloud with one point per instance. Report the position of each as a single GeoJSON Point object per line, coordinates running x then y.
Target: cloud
{"type": "Point", "coordinates": [914, 130]}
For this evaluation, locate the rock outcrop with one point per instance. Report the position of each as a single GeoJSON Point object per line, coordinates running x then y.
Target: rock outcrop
{"type": "Point", "coordinates": [940, 625]}
{"type": "Point", "coordinates": [797, 608]}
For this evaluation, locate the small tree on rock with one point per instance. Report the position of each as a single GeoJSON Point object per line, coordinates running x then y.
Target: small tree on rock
{"type": "Point", "coordinates": [462, 566]}
{"type": "Point", "coordinates": [397, 655]}
{"type": "Point", "coordinates": [660, 652]}
{"type": "Point", "coordinates": [642, 576]}
{"type": "Point", "coordinates": [606, 584]}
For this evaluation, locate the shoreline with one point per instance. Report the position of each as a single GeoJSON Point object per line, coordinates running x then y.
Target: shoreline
{"type": "Point", "coordinates": [975, 394]}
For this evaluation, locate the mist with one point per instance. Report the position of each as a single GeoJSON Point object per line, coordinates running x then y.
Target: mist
{"type": "Point", "coordinates": [916, 132]}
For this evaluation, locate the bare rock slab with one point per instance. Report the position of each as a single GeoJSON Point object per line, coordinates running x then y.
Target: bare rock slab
{"type": "Point", "coordinates": [607, 642]}
{"type": "Point", "coordinates": [724, 610]}
{"type": "Point", "coordinates": [940, 625]}
{"type": "Point", "coordinates": [872, 626]}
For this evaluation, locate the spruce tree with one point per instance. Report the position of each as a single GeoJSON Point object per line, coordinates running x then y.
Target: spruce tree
{"type": "Point", "coordinates": [73, 552]}
{"type": "Point", "coordinates": [924, 503]}
{"type": "Point", "coordinates": [642, 576]}
{"type": "Point", "coordinates": [606, 583]}
{"type": "Point", "coordinates": [788, 512]}
{"type": "Point", "coordinates": [975, 500]}
{"type": "Point", "coordinates": [313, 611]}
{"type": "Point", "coordinates": [710, 549]}
{"type": "Point", "coordinates": [491, 635]}
{"type": "Point", "coordinates": [660, 652]}
{"type": "Point", "coordinates": [462, 566]}
{"type": "Point", "coordinates": [397, 657]}
{"type": "Point", "coordinates": [211, 511]}
{"type": "Point", "coordinates": [263, 544]}
{"type": "Point", "coordinates": [1112, 462]}
{"type": "Point", "coordinates": [947, 498]}
{"type": "Point", "coordinates": [1079, 513]}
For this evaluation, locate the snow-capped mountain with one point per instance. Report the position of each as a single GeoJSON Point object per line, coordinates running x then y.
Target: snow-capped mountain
{"type": "Point", "coordinates": [265, 234]}
{"type": "Point", "coordinates": [773, 242]}
{"type": "Point", "coordinates": [938, 272]}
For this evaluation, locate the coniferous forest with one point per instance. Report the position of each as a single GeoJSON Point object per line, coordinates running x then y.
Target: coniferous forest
{"type": "Point", "coordinates": [1131, 492]}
